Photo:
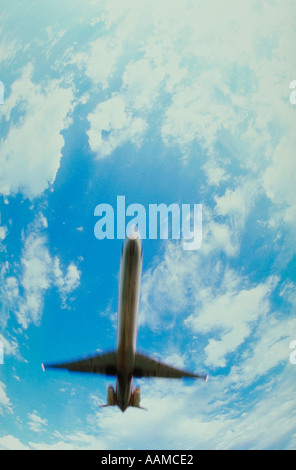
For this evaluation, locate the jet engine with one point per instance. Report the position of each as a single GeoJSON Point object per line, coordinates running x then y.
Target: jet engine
{"type": "Point", "coordinates": [111, 396]}
{"type": "Point", "coordinates": [136, 397]}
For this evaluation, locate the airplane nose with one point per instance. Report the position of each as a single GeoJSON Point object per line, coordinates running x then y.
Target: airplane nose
{"type": "Point", "coordinates": [133, 233]}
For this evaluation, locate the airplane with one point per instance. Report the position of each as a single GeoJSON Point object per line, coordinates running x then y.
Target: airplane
{"type": "Point", "coordinates": [125, 363]}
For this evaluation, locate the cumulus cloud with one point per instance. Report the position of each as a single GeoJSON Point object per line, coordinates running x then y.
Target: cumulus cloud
{"type": "Point", "coordinates": [39, 273]}
{"type": "Point", "coordinates": [30, 153]}
{"type": "Point", "coordinates": [68, 282]}
{"type": "Point", "coordinates": [10, 346]}
{"type": "Point", "coordinates": [35, 422]}
{"type": "Point", "coordinates": [111, 125]}
{"type": "Point", "coordinates": [10, 442]}
{"type": "Point", "coordinates": [141, 83]}
{"type": "Point", "coordinates": [269, 349]}
{"type": "Point", "coordinates": [3, 233]}
{"type": "Point", "coordinates": [230, 312]}
{"type": "Point", "coordinates": [5, 404]}
{"type": "Point", "coordinates": [204, 408]}
{"type": "Point", "coordinates": [9, 290]}
{"type": "Point", "coordinates": [278, 180]}
{"type": "Point", "coordinates": [225, 306]}
{"type": "Point", "coordinates": [225, 81]}
{"type": "Point", "coordinates": [166, 284]}
{"type": "Point", "coordinates": [224, 94]}
{"type": "Point", "coordinates": [36, 264]}
{"type": "Point", "coordinates": [99, 63]}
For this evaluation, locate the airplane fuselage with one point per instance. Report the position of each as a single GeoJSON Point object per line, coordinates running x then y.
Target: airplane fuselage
{"type": "Point", "coordinates": [128, 306]}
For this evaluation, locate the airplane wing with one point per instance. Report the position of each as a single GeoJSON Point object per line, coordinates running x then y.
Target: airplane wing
{"type": "Point", "coordinates": [146, 367]}
{"type": "Point", "coordinates": [98, 364]}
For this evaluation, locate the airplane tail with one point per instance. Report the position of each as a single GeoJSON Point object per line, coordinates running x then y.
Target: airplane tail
{"type": "Point", "coordinates": [112, 398]}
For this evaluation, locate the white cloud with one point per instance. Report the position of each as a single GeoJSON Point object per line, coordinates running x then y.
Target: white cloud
{"type": "Point", "coordinates": [10, 347]}
{"type": "Point", "coordinates": [171, 283]}
{"type": "Point", "coordinates": [9, 290]}
{"type": "Point", "coordinates": [111, 125]}
{"type": "Point", "coordinates": [255, 429]}
{"type": "Point", "coordinates": [194, 114]}
{"type": "Point", "coordinates": [237, 82]}
{"type": "Point", "coordinates": [230, 313]}
{"type": "Point", "coordinates": [36, 263]}
{"type": "Point", "coordinates": [206, 409]}
{"type": "Point", "coordinates": [99, 63]}
{"type": "Point", "coordinates": [75, 441]}
{"type": "Point", "coordinates": [72, 278]}
{"type": "Point", "coordinates": [3, 233]}
{"type": "Point", "coordinates": [65, 283]}
{"type": "Point", "coordinates": [269, 349]}
{"type": "Point", "coordinates": [235, 205]}
{"type": "Point", "coordinates": [234, 91]}
{"type": "Point", "coordinates": [215, 301]}
{"type": "Point", "coordinates": [278, 180]}
{"type": "Point", "coordinates": [5, 404]}
{"type": "Point", "coordinates": [35, 422]}
{"type": "Point", "coordinates": [218, 237]}
{"type": "Point", "coordinates": [165, 285]}
{"type": "Point", "coordinates": [226, 79]}
{"type": "Point", "coordinates": [10, 442]}
{"type": "Point", "coordinates": [177, 279]}
{"type": "Point", "coordinates": [31, 151]}
{"type": "Point", "coordinates": [214, 173]}
{"type": "Point", "coordinates": [141, 83]}
{"type": "Point", "coordinates": [39, 273]}
{"type": "Point", "coordinates": [8, 50]}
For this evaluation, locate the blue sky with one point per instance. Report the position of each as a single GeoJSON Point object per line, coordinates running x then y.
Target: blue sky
{"type": "Point", "coordinates": [162, 102]}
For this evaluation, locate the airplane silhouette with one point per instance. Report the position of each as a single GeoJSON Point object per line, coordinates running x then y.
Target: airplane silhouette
{"type": "Point", "coordinates": [125, 363]}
